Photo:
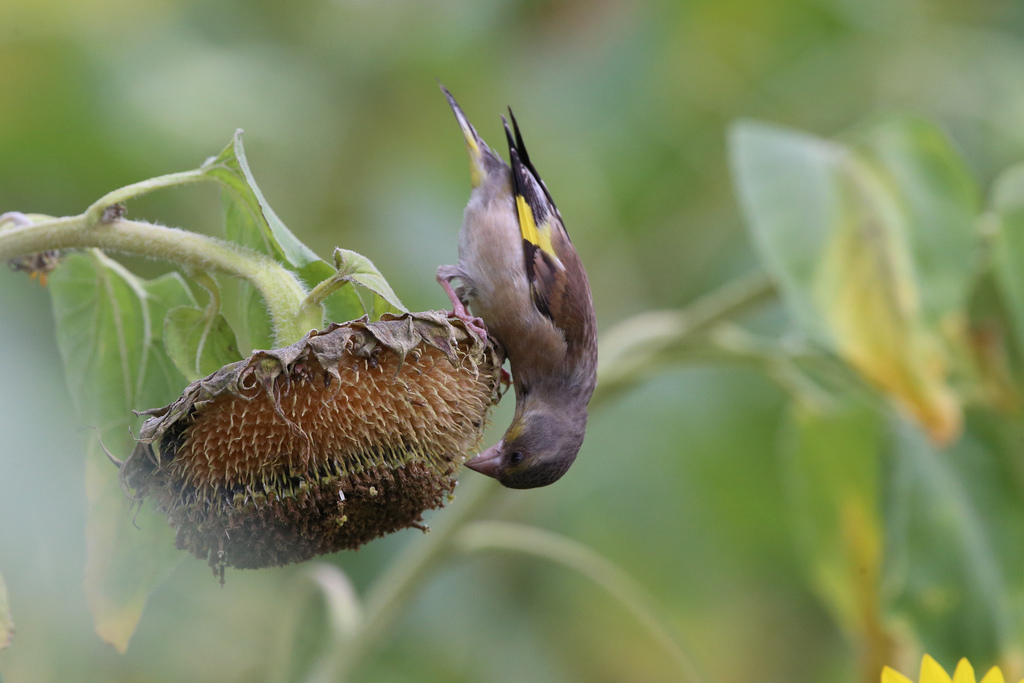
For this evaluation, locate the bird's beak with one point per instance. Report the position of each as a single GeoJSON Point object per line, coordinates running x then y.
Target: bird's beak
{"type": "Point", "coordinates": [475, 145]}
{"type": "Point", "coordinates": [488, 461]}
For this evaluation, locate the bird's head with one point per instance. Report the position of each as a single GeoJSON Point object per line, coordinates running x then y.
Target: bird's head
{"type": "Point", "coordinates": [487, 170]}
{"type": "Point", "coordinates": [538, 448]}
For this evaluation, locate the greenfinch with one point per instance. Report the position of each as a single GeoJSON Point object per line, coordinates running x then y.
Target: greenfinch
{"type": "Point", "coordinates": [522, 277]}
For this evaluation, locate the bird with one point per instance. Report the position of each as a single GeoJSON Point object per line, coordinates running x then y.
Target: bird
{"type": "Point", "coordinates": [526, 286]}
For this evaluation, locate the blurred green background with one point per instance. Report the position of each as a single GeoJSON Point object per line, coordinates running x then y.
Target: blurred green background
{"type": "Point", "coordinates": [624, 107]}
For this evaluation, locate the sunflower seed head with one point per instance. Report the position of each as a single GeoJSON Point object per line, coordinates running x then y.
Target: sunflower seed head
{"type": "Point", "coordinates": [342, 437]}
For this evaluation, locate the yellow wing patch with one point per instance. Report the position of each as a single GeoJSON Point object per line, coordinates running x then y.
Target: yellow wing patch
{"type": "Point", "coordinates": [539, 236]}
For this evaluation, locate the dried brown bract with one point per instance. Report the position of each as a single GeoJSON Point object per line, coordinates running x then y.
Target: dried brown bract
{"type": "Point", "coordinates": [342, 437]}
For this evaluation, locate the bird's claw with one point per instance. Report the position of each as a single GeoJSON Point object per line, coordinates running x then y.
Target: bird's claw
{"type": "Point", "coordinates": [472, 323]}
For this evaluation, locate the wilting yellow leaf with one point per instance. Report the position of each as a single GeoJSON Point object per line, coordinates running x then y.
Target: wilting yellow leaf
{"type": "Point", "coordinates": [868, 293]}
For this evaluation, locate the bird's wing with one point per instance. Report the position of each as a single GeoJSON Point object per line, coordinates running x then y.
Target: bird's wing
{"type": "Point", "coordinates": [557, 280]}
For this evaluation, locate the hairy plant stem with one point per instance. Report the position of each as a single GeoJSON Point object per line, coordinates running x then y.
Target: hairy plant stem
{"type": "Point", "coordinates": [94, 213]}
{"type": "Point", "coordinates": [618, 371]}
{"type": "Point", "coordinates": [315, 299]}
{"type": "Point", "coordinates": [279, 288]}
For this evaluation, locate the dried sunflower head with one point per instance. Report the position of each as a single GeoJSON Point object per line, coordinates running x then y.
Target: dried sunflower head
{"type": "Point", "coordinates": [344, 436]}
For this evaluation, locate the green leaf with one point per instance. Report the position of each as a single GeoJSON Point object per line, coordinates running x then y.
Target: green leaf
{"type": "Point", "coordinates": [1008, 244]}
{"type": "Point", "coordinates": [108, 332]}
{"type": "Point", "coordinates": [846, 235]}
{"type": "Point", "coordinates": [162, 377]}
{"type": "Point", "coordinates": [6, 622]}
{"type": "Point", "coordinates": [944, 567]}
{"type": "Point", "coordinates": [129, 553]}
{"type": "Point", "coordinates": [382, 305]}
{"type": "Point", "coordinates": [939, 200]}
{"type": "Point", "coordinates": [199, 342]}
{"type": "Point", "coordinates": [251, 221]}
{"type": "Point", "coordinates": [109, 326]}
{"type": "Point", "coordinates": [833, 467]}
{"type": "Point", "coordinates": [342, 304]}
{"type": "Point", "coordinates": [992, 364]}
{"type": "Point", "coordinates": [788, 189]}
{"type": "Point", "coordinates": [353, 267]}
{"type": "Point", "coordinates": [163, 294]}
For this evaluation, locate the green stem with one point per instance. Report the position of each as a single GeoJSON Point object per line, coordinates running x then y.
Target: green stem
{"type": "Point", "coordinates": [280, 289]}
{"type": "Point", "coordinates": [406, 573]}
{"type": "Point", "coordinates": [639, 345]}
{"type": "Point", "coordinates": [344, 612]}
{"type": "Point", "coordinates": [206, 281]}
{"type": "Point", "coordinates": [565, 551]}
{"type": "Point", "coordinates": [316, 297]}
{"type": "Point", "coordinates": [94, 213]}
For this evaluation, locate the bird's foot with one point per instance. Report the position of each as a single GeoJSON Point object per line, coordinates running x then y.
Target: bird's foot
{"type": "Point", "coordinates": [473, 323]}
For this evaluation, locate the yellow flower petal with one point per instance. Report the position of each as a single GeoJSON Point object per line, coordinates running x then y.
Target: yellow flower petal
{"type": "Point", "coordinates": [892, 676]}
{"type": "Point", "coordinates": [964, 672]}
{"type": "Point", "coordinates": [931, 672]}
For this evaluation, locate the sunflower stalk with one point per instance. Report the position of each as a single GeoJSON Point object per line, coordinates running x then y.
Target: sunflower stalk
{"type": "Point", "coordinates": [279, 288]}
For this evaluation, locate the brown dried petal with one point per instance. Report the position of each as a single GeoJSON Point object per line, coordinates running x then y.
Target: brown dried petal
{"type": "Point", "coordinates": [344, 436]}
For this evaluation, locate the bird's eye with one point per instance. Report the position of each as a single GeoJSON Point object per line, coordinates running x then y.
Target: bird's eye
{"type": "Point", "coordinates": [515, 457]}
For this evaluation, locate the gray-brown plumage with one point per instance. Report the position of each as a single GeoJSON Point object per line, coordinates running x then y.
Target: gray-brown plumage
{"type": "Point", "coordinates": [522, 276]}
